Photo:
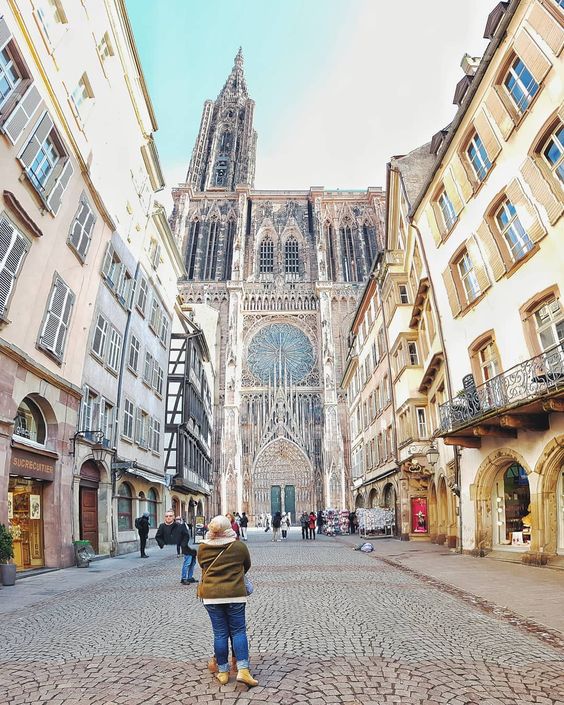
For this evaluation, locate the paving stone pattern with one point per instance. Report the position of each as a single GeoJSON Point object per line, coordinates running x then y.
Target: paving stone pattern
{"type": "Point", "coordinates": [326, 625]}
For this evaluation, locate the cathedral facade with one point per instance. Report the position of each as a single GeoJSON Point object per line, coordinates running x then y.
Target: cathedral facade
{"type": "Point", "coordinates": [285, 270]}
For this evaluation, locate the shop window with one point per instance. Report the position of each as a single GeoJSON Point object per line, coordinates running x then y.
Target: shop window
{"type": "Point", "coordinates": [125, 507]}
{"type": "Point", "coordinates": [29, 422]}
{"type": "Point", "coordinates": [152, 500]}
{"type": "Point", "coordinates": [512, 513]}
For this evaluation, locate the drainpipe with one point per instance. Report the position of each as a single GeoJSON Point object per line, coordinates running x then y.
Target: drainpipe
{"type": "Point", "coordinates": [456, 449]}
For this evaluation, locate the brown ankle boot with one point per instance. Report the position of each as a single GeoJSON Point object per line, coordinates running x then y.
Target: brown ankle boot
{"type": "Point", "coordinates": [244, 676]}
{"type": "Point", "coordinates": [212, 665]}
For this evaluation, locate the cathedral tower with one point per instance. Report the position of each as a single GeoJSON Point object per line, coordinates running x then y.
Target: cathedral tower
{"type": "Point", "coordinates": [224, 155]}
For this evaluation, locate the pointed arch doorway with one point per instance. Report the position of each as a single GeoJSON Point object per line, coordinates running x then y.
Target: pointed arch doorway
{"type": "Point", "coordinates": [283, 480]}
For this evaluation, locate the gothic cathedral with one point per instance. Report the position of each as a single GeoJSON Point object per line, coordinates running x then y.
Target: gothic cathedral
{"type": "Point", "coordinates": [285, 270]}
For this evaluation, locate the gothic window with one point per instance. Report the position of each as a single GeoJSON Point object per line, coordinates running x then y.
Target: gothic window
{"type": "Point", "coordinates": [211, 251]}
{"type": "Point", "coordinates": [266, 258]}
{"type": "Point", "coordinates": [347, 254]}
{"type": "Point", "coordinates": [280, 349]}
{"type": "Point", "coordinates": [367, 239]}
{"type": "Point", "coordinates": [228, 253]}
{"type": "Point", "coordinates": [225, 144]}
{"type": "Point", "coordinates": [221, 172]}
{"type": "Point", "coordinates": [331, 267]}
{"type": "Point", "coordinates": [192, 248]}
{"type": "Point", "coordinates": [291, 257]}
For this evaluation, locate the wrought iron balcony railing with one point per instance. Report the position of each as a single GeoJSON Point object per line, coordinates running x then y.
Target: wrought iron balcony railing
{"type": "Point", "coordinates": [527, 381]}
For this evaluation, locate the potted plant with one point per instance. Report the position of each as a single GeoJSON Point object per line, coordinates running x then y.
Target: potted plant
{"type": "Point", "coordinates": [7, 569]}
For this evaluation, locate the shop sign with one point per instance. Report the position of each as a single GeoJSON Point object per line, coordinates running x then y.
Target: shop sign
{"type": "Point", "coordinates": [419, 523]}
{"type": "Point", "coordinates": [28, 464]}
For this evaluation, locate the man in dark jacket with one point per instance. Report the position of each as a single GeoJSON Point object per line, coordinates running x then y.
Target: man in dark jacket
{"type": "Point", "coordinates": [142, 526]}
{"type": "Point", "coordinates": [169, 531]}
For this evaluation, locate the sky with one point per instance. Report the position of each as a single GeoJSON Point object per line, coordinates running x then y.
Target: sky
{"type": "Point", "coordinates": [340, 86]}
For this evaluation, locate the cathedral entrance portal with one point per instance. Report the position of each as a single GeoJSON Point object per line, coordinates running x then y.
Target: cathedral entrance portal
{"type": "Point", "coordinates": [282, 480]}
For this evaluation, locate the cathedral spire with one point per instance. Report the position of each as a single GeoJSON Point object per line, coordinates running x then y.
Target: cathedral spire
{"type": "Point", "coordinates": [235, 86]}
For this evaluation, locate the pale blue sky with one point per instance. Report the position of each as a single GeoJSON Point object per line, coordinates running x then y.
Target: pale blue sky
{"type": "Point", "coordinates": [339, 85]}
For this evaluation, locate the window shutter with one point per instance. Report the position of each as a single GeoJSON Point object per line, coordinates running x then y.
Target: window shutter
{"type": "Point", "coordinates": [57, 318]}
{"type": "Point", "coordinates": [499, 113]}
{"type": "Point", "coordinates": [13, 247]}
{"type": "Point", "coordinates": [452, 192]}
{"type": "Point", "coordinates": [542, 191]}
{"type": "Point", "coordinates": [22, 113]}
{"type": "Point", "coordinates": [138, 425]}
{"type": "Point", "coordinates": [547, 27]}
{"type": "Point", "coordinates": [55, 195]}
{"type": "Point", "coordinates": [108, 259]}
{"type": "Point", "coordinates": [478, 263]}
{"type": "Point", "coordinates": [81, 229]}
{"type": "Point", "coordinates": [5, 35]}
{"type": "Point", "coordinates": [451, 292]}
{"type": "Point", "coordinates": [493, 256]}
{"type": "Point", "coordinates": [527, 212]}
{"type": "Point", "coordinates": [529, 52]}
{"type": "Point", "coordinates": [462, 177]}
{"type": "Point", "coordinates": [434, 228]}
{"type": "Point", "coordinates": [487, 135]}
{"type": "Point", "coordinates": [41, 131]}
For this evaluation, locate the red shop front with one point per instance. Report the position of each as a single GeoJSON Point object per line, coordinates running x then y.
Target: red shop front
{"type": "Point", "coordinates": [419, 517]}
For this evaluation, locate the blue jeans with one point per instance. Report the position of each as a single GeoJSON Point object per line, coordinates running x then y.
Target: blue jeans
{"type": "Point", "coordinates": [228, 620]}
{"type": "Point", "coordinates": [188, 567]}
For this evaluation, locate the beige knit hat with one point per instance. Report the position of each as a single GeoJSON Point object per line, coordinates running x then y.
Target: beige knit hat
{"type": "Point", "coordinates": [220, 528]}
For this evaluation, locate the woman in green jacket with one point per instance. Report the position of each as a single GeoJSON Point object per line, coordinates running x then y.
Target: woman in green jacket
{"type": "Point", "coordinates": [224, 562]}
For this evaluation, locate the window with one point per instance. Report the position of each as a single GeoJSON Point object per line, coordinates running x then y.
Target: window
{"type": "Point", "coordinates": [478, 157]}
{"type": "Point", "coordinates": [105, 48]}
{"type": "Point", "coordinates": [111, 267]}
{"type": "Point", "coordinates": [412, 353]}
{"type": "Point", "coordinates": [142, 295]}
{"type": "Point", "coordinates": [228, 250]}
{"type": "Point", "coordinates": [124, 288]}
{"type": "Point", "coordinates": [512, 230]}
{"type": "Point", "coordinates": [148, 369]}
{"type": "Point", "coordinates": [553, 153]}
{"type": "Point", "coordinates": [447, 210]}
{"type": "Point", "coordinates": [82, 95]}
{"type": "Point", "coordinates": [266, 258]}
{"type": "Point", "coordinates": [13, 247]}
{"type": "Point", "coordinates": [52, 18]}
{"type": "Point", "coordinates": [468, 277]}
{"type": "Point", "coordinates": [164, 330]}
{"type": "Point", "coordinates": [154, 254]}
{"type": "Point", "coordinates": [291, 257]}
{"type": "Point", "coordinates": [43, 163]}
{"type": "Point", "coordinates": [114, 351]}
{"type": "Point", "coordinates": [155, 436]}
{"type": "Point", "coordinates": [488, 360]}
{"type": "Point", "coordinates": [57, 318]}
{"type": "Point", "coordinates": [152, 500]}
{"type": "Point", "coordinates": [331, 265]}
{"type": "Point", "coordinates": [128, 416]}
{"type": "Point", "coordinates": [520, 85]}
{"type": "Point", "coordinates": [29, 422]}
{"type": "Point", "coordinates": [125, 507]}
{"type": "Point", "coordinates": [90, 410]}
{"type": "Point", "coordinates": [403, 294]}
{"type": "Point", "coordinates": [158, 376]}
{"type": "Point", "coordinates": [81, 228]}
{"type": "Point", "coordinates": [10, 75]}
{"type": "Point", "coordinates": [348, 263]}
{"type": "Point", "coordinates": [100, 336]}
{"type": "Point", "coordinates": [421, 417]}
{"type": "Point", "coordinates": [134, 350]}
{"type": "Point", "coordinates": [549, 321]}
{"type": "Point", "coordinates": [142, 428]}
{"type": "Point", "coordinates": [156, 315]}
{"type": "Point", "coordinates": [107, 419]}
{"type": "Point", "coordinates": [192, 249]}
{"type": "Point", "coordinates": [210, 264]}
{"type": "Point", "coordinates": [367, 237]}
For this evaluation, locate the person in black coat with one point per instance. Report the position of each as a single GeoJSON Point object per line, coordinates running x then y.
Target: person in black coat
{"type": "Point", "coordinates": [169, 531]}
{"type": "Point", "coordinates": [243, 526]}
{"type": "Point", "coordinates": [320, 521]}
{"type": "Point", "coordinates": [142, 526]}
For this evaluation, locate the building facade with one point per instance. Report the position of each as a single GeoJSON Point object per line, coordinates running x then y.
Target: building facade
{"type": "Point", "coordinates": [284, 270]}
{"type": "Point", "coordinates": [490, 216]}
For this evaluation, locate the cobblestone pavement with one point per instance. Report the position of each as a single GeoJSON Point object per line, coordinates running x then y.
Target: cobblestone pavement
{"type": "Point", "coordinates": [326, 625]}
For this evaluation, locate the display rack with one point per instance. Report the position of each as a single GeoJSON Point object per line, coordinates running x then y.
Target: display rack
{"type": "Point", "coordinates": [336, 522]}
{"type": "Point", "coordinates": [377, 522]}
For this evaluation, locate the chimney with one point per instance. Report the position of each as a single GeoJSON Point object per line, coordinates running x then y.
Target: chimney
{"type": "Point", "coordinates": [469, 64]}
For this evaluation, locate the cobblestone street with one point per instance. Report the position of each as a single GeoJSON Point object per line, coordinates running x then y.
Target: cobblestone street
{"type": "Point", "coordinates": [326, 625]}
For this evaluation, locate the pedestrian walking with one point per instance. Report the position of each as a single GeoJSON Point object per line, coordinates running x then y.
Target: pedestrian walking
{"type": "Point", "coordinates": [234, 524]}
{"type": "Point", "coordinates": [168, 532]}
{"type": "Point", "coordinates": [266, 522]}
{"type": "Point", "coordinates": [243, 526]}
{"type": "Point", "coordinates": [311, 525]}
{"type": "Point", "coordinates": [285, 526]}
{"type": "Point", "coordinates": [224, 562]}
{"type": "Point", "coordinates": [189, 562]}
{"type": "Point", "coordinates": [304, 523]}
{"type": "Point", "coordinates": [276, 524]}
{"type": "Point", "coordinates": [320, 521]}
{"type": "Point", "coordinates": [142, 524]}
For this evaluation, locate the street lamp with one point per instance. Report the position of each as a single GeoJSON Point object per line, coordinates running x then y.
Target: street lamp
{"type": "Point", "coordinates": [98, 447]}
{"type": "Point", "coordinates": [432, 455]}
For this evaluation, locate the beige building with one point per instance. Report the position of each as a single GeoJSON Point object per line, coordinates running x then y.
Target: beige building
{"type": "Point", "coordinates": [78, 231]}
{"type": "Point", "coordinates": [490, 217]}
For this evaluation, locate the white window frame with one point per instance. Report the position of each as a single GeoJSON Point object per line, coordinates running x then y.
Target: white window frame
{"type": "Point", "coordinates": [553, 324]}
{"type": "Point", "coordinates": [479, 159]}
{"type": "Point", "coordinates": [412, 353]}
{"type": "Point", "coordinates": [9, 65]}
{"type": "Point", "coordinates": [527, 91]}
{"type": "Point", "coordinates": [557, 167]}
{"type": "Point", "coordinates": [148, 369]}
{"type": "Point", "coordinates": [114, 349]}
{"type": "Point", "coordinates": [142, 296]}
{"type": "Point", "coordinates": [102, 326]}
{"type": "Point", "coordinates": [446, 208]}
{"type": "Point", "coordinates": [512, 231]}
{"type": "Point", "coordinates": [421, 419]}
{"type": "Point", "coordinates": [134, 354]}
{"type": "Point", "coordinates": [466, 271]}
{"type": "Point", "coordinates": [128, 420]}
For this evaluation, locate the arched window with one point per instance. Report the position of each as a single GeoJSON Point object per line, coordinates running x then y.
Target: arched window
{"type": "Point", "coordinates": [225, 144]}
{"type": "Point", "coordinates": [266, 258]}
{"type": "Point", "coordinates": [29, 422]}
{"type": "Point", "coordinates": [347, 254]}
{"type": "Point", "coordinates": [331, 265]}
{"type": "Point", "coordinates": [152, 499]}
{"type": "Point", "coordinates": [211, 251]}
{"type": "Point", "coordinates": [291, 257]}
{"type": "Point", "coordinates": [125, 507]}
{"type": "Point", "coordinates": [192, 248]}
{"type": "Point", "coordinates": [228, 250]}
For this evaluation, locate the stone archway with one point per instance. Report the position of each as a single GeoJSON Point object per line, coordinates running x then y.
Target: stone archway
{"type": "Point", "coordinates": [548, 507]}
{"type": "Point", "coordinates": [442, 511]}
{"type": "Point", "coordinates": [373, 498]}
{"type": "Point", "coordinates": [433, 513]}
{"type": "Point", "coordinates": [282, 473]}
{"type": "Point", "coordinates": [359, 501]}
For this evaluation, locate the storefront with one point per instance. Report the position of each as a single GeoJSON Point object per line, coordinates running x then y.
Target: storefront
{"type": "Point", "coordinates": [31, 475]}
{"type": "Point", "coordinates": [512, 508]}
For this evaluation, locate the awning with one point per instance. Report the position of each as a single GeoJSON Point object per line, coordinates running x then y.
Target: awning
{"type": "Point", "coordinates": [146, 475]}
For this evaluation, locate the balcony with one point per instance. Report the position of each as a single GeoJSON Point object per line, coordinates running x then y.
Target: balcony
{"type": "Point", "coordinates": [518, 399]}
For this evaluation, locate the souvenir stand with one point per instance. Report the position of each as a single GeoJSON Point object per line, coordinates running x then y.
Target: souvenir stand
{"type": "Point", "coordinates": [378, 522]}
{"type": "Point", "coordinates": [336, 522]}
